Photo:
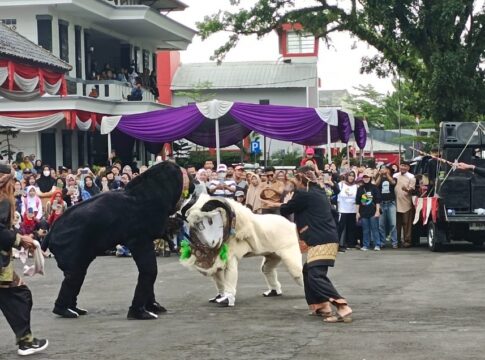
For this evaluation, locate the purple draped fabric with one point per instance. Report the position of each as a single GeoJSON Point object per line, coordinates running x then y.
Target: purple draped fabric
{"type": "Point", "coordinates": [230, 132]}
{"type": "Point", "coordinates": [344, 126]}
{"type": "Point", "coordinates": [360, 133]}
{"type": "Point", "coordinates": [295, 124]}
{"type": "Point", "coordinates": [162, 126]}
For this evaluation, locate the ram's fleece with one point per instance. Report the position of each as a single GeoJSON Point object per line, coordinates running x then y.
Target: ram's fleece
{"type": "Point", "coordinates": [216, 221]}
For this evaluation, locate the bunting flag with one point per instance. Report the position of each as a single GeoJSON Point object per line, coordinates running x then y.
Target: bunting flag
{"type": "Point", "coordinates": [18, 78]}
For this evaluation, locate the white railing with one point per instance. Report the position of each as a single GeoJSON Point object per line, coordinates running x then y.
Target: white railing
{"type": "Point", "coordinates": [109, 90]}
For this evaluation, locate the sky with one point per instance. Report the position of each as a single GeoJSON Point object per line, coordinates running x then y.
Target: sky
{"type": "Point", "coordinates": [338, 66]}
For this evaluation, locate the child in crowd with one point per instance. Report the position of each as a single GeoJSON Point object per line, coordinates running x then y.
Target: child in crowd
{"type": "Point", "coordinates": [32, 201]}
{"type": "Point", "coordinates": [240, 197]}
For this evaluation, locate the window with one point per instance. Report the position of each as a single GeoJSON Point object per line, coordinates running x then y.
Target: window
{"type": "Point", "coordinates": [63, 40]}
{"type": "Point", "coordinates": [300, 43]}
{"type": "Point", "coordinates": [44, 31]}
{"type": "Point", "coordinates": [137, 53]}
{"type": "Point", "coordinates": [67, 148]}
{"type": "Point", "coordinates": [146, 60]}
{"type": "Point", "coordinates": [264, 102]}
{"type": "Point", "coordinates": [11, 23]}
{"type": "Point", "coordinates": [77, 49]}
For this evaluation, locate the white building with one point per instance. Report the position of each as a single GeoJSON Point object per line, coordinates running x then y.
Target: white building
{"type": "Point", "coordinates": [89, 34]}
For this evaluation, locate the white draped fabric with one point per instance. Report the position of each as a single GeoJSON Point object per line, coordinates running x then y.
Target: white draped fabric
{"type": "Point", "coordinates": [83, 125]}
{"type": "Point", "coordinates": [366, 126]}
{"type": "Point", "coordinates": [3, 74]}
{"type": "Point", "coordinates": [32, 124]}
{"type": "Point", "coordinates": [109, 123]}
{"type": "Point", "coordinates": [52, 89]}
{"type": "Point", "coordinates": [328, 115]}
{"type": "Point", "coordinates": [27, 85]}
{"type": "Point", "coordinates": [19, 95]}
{"type": "Point", "coordinates": [214, 109]}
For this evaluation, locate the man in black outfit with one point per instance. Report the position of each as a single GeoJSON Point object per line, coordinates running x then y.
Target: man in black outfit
{"type": "Point", "coordinates": [317, 229]}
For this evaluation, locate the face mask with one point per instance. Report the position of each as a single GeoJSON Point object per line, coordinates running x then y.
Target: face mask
{"type": "Point", "coordinates": [221, 175]}
{"type": "Point", "coordinates": [46, 173]}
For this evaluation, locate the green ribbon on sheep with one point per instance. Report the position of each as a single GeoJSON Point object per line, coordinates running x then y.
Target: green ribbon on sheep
{"type": "Point", "coordinates": [224, 252]}
{"type": "Point", "coordinates": [186, 251]}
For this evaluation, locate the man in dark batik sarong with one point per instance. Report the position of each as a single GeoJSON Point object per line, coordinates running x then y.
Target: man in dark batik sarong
{"type": "Point", "coordinates": [318, 234]}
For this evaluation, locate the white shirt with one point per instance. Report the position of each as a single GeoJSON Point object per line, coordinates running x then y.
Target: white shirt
{"type": "Point", "coordinates": [222, 192]}
{"type": "Point", "coordinates": [346, 198]}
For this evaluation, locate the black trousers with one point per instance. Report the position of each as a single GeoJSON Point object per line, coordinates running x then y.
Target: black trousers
{"type": "Point", "coordinates": [275, 211]}
{"type": "Point", "coordinates": [146, 262]}
{"type": "Point", "coordinates": [16, 304]}
{"type": "Point", "coordinates": [318, 287]}
{"type": "Point", "coordinates": [71, 286]}
{"type": "Point", "coordinates": [347, 230]}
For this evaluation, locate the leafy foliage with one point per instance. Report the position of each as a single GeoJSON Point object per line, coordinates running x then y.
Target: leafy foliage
{"type": "Point", "coordinates": [439, 46]}
{"type": "Point", "coordinates": [199, 93]}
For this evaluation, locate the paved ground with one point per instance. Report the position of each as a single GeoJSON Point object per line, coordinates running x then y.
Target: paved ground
{"type": "Point", "coordinates": [408, 304]}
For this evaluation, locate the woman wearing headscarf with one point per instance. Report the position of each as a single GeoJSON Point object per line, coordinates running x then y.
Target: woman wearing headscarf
{"type": "Point", "coordinates": [253, 199]}
{"type": "Point", "coordinates": [318, 232]}
{"type": "Point", "coordinates": [72, 192]}
{"type": "Point", "coordinates": [54, 202]}
{"type": "Point", "coordinates": [46, 184]}
{"type": "Point", "coordinates": [55, 207]}
{"type": "Point", "coordinates": [200, 182]}
{"type": "Point", "coordinates": [90, 189]}
{"type": "Point", "coordinates": [347, 211]}
{"type": "Point", "coordinates": [38, 166]}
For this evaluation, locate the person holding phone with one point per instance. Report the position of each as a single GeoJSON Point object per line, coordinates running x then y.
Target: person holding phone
{"type": "Point", "coordinates": [72, 193]}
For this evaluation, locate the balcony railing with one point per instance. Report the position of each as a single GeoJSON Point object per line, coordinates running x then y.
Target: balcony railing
{"type": "Point", "coordinates": [106, 89]}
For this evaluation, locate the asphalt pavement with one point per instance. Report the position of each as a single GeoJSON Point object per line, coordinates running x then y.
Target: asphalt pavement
{"type": "Point", "coordinates": [408, 304]}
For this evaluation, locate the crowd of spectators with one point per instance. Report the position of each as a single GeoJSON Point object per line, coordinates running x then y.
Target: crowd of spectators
{"type": "Point", "coordinates": [138, 82]}
{"type": "Point", "coordinates": [372, 206]}
{"type": "Point", "coordinates": [43, 193]}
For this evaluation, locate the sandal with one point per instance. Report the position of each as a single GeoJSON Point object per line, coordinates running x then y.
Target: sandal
{"type": "Point", "coordinates": [337, 318]}
{"type": "Point", "coordinates": [322, 313]}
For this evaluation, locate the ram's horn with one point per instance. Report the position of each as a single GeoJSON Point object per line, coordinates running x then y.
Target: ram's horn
{"type": "Point", "coordinates": [223, 204]}
{"type": "Point", "coordinates": [187, 204]}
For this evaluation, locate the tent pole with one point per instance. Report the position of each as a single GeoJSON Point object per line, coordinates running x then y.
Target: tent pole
{"type": "Point", "coordinates": [218, 148]}
{"type": "Point", "coordinates": [329, 155]}
{"type": "Point", "coordinates": [109, 144]}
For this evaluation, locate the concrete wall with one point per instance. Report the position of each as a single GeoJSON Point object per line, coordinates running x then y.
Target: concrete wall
{"type": "Point", "coordinates": [276, 96]}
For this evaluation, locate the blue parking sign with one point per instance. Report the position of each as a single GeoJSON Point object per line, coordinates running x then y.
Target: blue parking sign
{"type": "Point", "coordinates": [255, 147]}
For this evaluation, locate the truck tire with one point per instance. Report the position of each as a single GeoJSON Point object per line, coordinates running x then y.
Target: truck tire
{"type": "Point", "coordinates": [436, 237]}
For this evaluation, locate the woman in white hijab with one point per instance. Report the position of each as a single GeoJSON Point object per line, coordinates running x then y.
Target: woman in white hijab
{"type": "Point", "coordinates": [32, 201]}
{"type": "Point", "coordinates": [201, 182]}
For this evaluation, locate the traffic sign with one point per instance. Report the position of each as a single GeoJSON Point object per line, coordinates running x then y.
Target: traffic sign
{"type": "Point", "coordinates": [255, 147]}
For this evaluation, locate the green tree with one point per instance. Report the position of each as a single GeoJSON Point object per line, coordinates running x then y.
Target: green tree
{"type": "Point", "coordinates": [383, 111]}
{"type": "Point", "coordinates": [439, 46]}
{"type": "Point", "coordinates": [199, 92]}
